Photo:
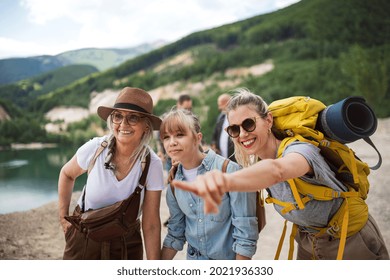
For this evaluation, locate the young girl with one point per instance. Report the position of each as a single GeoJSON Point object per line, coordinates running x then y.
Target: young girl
{"type": "Point", "coordinates": [251, 127]}
{"type": "Point", "coordinates": [232, 232]}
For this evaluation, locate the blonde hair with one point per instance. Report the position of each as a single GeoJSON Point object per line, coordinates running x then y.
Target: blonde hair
{"type": "Point", "coordinates": [140, 152]}
{"type": "Point", "coordinates": [244, 97]}
{"type": "Point", "coordinates": [180, 120]}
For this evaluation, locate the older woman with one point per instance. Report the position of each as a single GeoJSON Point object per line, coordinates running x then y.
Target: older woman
{"type": "Point", "coordinates": [114, 177]}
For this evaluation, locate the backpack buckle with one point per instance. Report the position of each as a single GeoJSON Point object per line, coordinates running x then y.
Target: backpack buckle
{"type": "Point", "coordinates": [289, 132]}
{"type": "Point", "coordinates": [336, 194]}
{"type": "Point", "coordinates": [325, 143]}
{"type": "Point", "coordinates": [333, 230]}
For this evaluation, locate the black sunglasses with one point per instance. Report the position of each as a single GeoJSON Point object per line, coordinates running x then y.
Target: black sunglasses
{"type": "Point", "coordinates": [248, 125]}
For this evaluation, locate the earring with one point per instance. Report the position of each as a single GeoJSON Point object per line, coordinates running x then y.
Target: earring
{"type": "Point", "coordinates": [269, 130]}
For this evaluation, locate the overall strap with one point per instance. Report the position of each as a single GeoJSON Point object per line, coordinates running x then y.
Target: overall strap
{"type": "Point", "coordinates": [145, 170]}
{"type": "Point", "coordinates": [131, 213]}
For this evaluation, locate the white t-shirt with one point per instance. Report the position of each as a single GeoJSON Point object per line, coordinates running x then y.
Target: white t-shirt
{"type": "Point", "coordinates": [103, 188]}
{"type": "Point", "coordinates": [190, 174]}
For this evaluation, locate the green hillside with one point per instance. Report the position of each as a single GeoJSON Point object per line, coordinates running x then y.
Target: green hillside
{"type": "Point", "coordinates": [25, 92]}
{"type": "Point", "coordinates": [15, 69]}
{"type": "Point", "coordinates": [327, 49]}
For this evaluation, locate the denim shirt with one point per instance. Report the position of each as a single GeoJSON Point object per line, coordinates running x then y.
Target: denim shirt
{"type": "Point", "coordinates": [231, 231]}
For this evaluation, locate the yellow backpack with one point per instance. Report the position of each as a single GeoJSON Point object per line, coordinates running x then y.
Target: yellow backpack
{"type": "Point", "coordinates": [303, 119]}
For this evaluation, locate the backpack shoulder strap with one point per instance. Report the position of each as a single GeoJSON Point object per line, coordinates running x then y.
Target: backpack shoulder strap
{"type": "Point", "coordinates": [91, 164]}
{"type": "Point", "coordinates": [225, 164]}
{"type": "Point", "coordinates": [171, 176]}
{"type": "Point", "coordinates": [99, 150]}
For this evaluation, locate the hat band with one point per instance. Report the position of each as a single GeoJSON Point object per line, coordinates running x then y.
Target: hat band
{"type": "Point", "coordinates": [130, 106]}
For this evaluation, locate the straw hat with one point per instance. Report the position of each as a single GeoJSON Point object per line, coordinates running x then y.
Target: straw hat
{"type": "Point", "coordinates": [132, 100]}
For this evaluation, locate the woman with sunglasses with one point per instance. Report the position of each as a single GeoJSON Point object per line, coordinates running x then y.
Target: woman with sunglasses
{"type": "Point", "coordinates": [230, 234]}
{"type": "Point", "coordinates": [250, 126]}
{"type": "Point", "coordinates": [114, 176]}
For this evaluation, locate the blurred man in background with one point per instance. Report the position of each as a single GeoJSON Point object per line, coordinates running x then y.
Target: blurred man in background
{"type": "Point", "coordinates": [221, 142]}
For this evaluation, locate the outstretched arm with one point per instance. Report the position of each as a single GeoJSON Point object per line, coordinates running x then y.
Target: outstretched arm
{"type": "Point", "coordinates": [212, 185]}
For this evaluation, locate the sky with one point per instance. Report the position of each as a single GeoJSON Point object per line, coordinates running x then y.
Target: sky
{"type": "Point", "coordinates": [42, 27]}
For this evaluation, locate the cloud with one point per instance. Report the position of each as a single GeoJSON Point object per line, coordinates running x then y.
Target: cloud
{"type": "Point", "coordinates": [42, 12]}
{"type": "Point", "coordinates": [124, 23]}
{"type": "Point", "coordinates": [116, 21]}
{"type": "Point", "coordinates": [283, 3]}
{"type": "Point", "coordinates": [15, 48]}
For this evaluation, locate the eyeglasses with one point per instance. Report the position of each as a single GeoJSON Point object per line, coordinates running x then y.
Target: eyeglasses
{"type": "Point", "coordinates": [248, 125]}
{"type": "Point", "coordinates": [131, 119]}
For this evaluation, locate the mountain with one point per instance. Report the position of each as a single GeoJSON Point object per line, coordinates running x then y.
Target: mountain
{"type": "Point", "coordinates": [26, 91]}
{"type": "Point", "coordinates": [16, 69]}
{"type": "Point", "coordinates": [104, 59]}
{"type": "Point", "coordinates": [326, 49]}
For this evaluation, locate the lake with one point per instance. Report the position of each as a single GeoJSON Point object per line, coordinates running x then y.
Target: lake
{"type": "Point", "coordinates": [28, 178]}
